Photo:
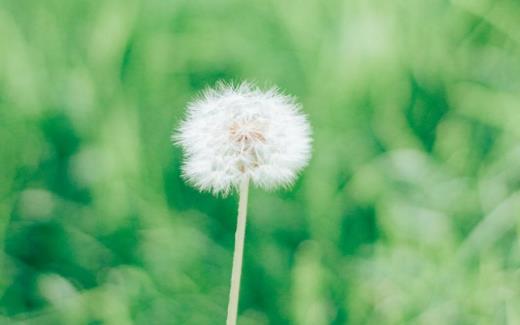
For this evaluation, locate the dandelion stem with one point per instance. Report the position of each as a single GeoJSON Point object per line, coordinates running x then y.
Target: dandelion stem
{"type": "Point", "coordinates": [238, 253]}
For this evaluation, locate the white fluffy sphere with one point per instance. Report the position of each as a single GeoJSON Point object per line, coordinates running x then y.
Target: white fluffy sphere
{"type": "Point", "coordinates": [236, 132]}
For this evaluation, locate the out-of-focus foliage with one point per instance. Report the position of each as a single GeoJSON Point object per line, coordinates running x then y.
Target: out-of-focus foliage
{"type": "Point", "coordinates": [408, 213]}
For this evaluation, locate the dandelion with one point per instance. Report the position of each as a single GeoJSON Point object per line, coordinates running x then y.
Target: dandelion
{"type": "Point", "coordinates": [236, 135]}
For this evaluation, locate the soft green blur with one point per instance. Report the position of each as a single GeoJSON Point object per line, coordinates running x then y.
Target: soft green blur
{"type": "Point", "coordinates": [408, 213]}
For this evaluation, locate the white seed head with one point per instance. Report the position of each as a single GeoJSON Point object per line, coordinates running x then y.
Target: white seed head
{"type": "Point", "coordinates": [236, 132]}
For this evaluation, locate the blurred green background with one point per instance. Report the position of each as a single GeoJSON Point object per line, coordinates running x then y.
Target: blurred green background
{"type": "Point", "coordinates": [408, 213]}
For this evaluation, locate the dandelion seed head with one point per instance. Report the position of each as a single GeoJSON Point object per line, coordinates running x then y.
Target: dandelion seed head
{"type": "Point", "coordinates": [235, 132]}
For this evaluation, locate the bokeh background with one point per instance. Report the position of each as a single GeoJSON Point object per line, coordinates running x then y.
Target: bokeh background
{"type": "Point", "coordinates": [408, 213]}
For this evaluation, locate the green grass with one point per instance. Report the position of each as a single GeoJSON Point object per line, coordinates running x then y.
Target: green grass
{"type": "Point", "coordinates": [407, 214]}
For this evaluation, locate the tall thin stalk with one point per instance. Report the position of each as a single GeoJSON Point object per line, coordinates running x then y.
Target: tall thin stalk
{"type": "Point", "coordinates": [238, 253]}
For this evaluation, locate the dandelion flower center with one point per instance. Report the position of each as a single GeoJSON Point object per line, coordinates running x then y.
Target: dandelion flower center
{"type": "Point", "coordinates": [247, 133]}
{"type": "Point", "coordinates": [247, 136]}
